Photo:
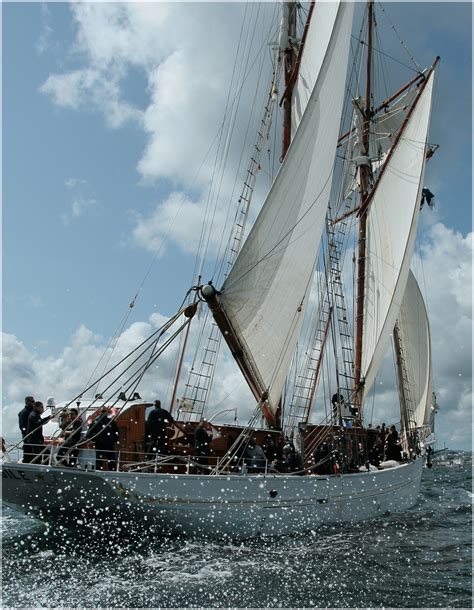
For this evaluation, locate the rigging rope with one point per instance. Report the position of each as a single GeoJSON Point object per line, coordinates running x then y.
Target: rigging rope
{"type": "Point", "coordinates": [410, 55]}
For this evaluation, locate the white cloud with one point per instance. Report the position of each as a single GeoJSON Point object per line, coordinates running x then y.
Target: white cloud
{"type": "Point", "coordinates": [188, 87]}
{"type": "Point", "coordinates": [111, 33]}
{"type": "Point", "coordinates": [70, 90]}
{"type": "Point", "coordinates": [81, 204]}
{"type": "Point", "coordinates": [177, 219]}
{"type": "Point", "coordinates": [91, 87]}
{"type": "Point", "coordinates": [72, 183]}
{"type": "Point", "coordinates": [66, 375]}
{"type": "Point", "coordinates": [444, 268]}
{"type": "Point", "coordinates": [44, 39]}
{"type": "Point", "coordinates": [84, 360]}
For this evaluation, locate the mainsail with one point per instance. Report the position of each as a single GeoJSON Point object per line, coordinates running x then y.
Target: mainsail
{"type": "Point", "coordinates": [414, 330]}
{"type": "Point", "coordinates": [391, 223]}
{"type": "Point", "coordinates": [266, 292]}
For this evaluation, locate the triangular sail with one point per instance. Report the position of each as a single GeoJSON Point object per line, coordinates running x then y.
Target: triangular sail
{"type": "Point", "coordinates": [414, 330]}
{"type": "Point", "coordinates": [266, 292]}
{"type": "Point", "coordinates": [391, 230]}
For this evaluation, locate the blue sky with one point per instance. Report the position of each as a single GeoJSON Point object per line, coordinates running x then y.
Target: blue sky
{"type": "Point", "coordinates": [88, 165]}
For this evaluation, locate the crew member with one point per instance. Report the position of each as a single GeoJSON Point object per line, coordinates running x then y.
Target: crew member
{"type": "Point", "coordinates": [72, 435]}
{"type": "Point", "coordinates": [23, 420]}
{"type": "Point", "coordinates": [104, 433]}
{"type": "Point", "coordinates": [34, 433]}
{"type": "Point", "coordinates": [155, 430]}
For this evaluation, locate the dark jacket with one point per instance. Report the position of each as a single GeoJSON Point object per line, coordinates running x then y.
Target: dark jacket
{"type": "Point", "coordinates": [393, 448]}
{"type": "Point", "coordinates": [72, 433]}
{"type": "Point", "coordinates": [293, 462]}
{"type": "Point", "coordinates": [23, 418]}
{"type": "Point", "coordinates": [103, 432]}
{"type": "Point", "coordinates": [35, 423]}
{"type": "Point", "coordinates": [270, 449]}
{"type": "Point", "coordinates": [157, 421]}
{"type": "Point", "coordinates": [201, 441]}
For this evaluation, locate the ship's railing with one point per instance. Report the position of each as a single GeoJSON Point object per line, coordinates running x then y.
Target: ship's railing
{"type": "Point", "coordinates": [92, 459]}
{"type": "Point", "coordinates": [126, 461]}
{"type": "Point", "coordinates": [87, 457]}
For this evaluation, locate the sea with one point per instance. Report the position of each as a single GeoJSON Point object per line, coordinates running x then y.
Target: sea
{"type": "Point", "coordinates": [421, 558]}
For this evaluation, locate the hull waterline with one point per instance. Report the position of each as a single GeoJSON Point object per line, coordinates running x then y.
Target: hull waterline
{"type": "Point", "coordinates": [212, 506]}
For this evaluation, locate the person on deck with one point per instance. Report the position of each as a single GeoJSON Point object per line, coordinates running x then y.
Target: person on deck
{"type": "Point", "coordinates": [104, 433]}
{"type": "Point", "coordinates": [375, 453]}
{"type": "Point", "coordinates": [383, 438]}
{"type": "Point", "coordinates": [23, 418]}
{"type": "Point", "coordinates": [254, 457]}
{"type": "Point", "coordinates": [292, 461]}
{"type": "Point", "coordinates": [72, 435]}
{"type": "Point", "coordinates": [202, 441]}
{"type": "Point", "coordinates": [34, 434]}
{"type": "Point", "coordinates": [322, 458]}
{"type": "Point", "coordinates": [270, 449]}
{"type": "Point", "coordinates": [155, 430]}
{"type": "Point", "coordinates": [393, 449]}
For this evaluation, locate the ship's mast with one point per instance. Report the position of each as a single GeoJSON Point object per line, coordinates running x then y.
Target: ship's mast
{"type": "Point", "coordinates": [292, 54]}
{"type": "Point", "coordinates": [290, 9]}
{"type": "Point", "coordinates": [179, 365]}
{"type": "Point", "coordinates": [364, 194]}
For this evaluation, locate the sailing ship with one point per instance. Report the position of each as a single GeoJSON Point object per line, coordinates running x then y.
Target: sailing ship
{"type": "Point", "coordinates": [352, 169]}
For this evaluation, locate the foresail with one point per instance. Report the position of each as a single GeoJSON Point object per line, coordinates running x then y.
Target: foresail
{"type": "Point", "coordinates": [391, 230]}
{"type": "Point", "coordinates": [414, 331]}
{"type": "Point", "coordinates": [266, 292]}
{"type": "Point", "coordinates": [319, 34]}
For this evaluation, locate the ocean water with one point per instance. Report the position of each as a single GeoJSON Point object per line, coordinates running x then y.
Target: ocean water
{"type": "Point", "coordinates": [418, 559]}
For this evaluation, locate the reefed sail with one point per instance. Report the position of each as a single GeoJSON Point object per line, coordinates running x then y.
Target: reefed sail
{"type": "Point", "coordinates": [391, 230]}
{"type": "Point", "coordinates": [266, 292]}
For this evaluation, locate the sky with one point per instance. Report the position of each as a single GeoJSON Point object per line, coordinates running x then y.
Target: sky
{"type": "Point", "coordinates": [111, 115]}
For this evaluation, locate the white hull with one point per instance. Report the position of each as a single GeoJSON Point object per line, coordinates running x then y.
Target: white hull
{"type": "Point", "coordinates": [212, 506]}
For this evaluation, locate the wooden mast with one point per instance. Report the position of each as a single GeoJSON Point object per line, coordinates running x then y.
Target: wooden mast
{"type": "Point", "coordinates": [364, 184]}
{"type": "Point", "coordinates": [290, 59]}
{"type": "Point", "coordinates": [189, 313]}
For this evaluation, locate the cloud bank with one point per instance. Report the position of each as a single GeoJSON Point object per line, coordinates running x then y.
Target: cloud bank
{"type": "Point", "coordinates": [186, 96]}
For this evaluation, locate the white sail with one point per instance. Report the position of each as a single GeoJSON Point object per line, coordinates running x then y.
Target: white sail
{"type": "Point", "coordinates": [319, 34]}
{"type": "Point", "coordinates": [391, 230]}
{"type": "Point", "coordinates": [266, 292]}
{"type": "Point", "coordinates": [414, 332]}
